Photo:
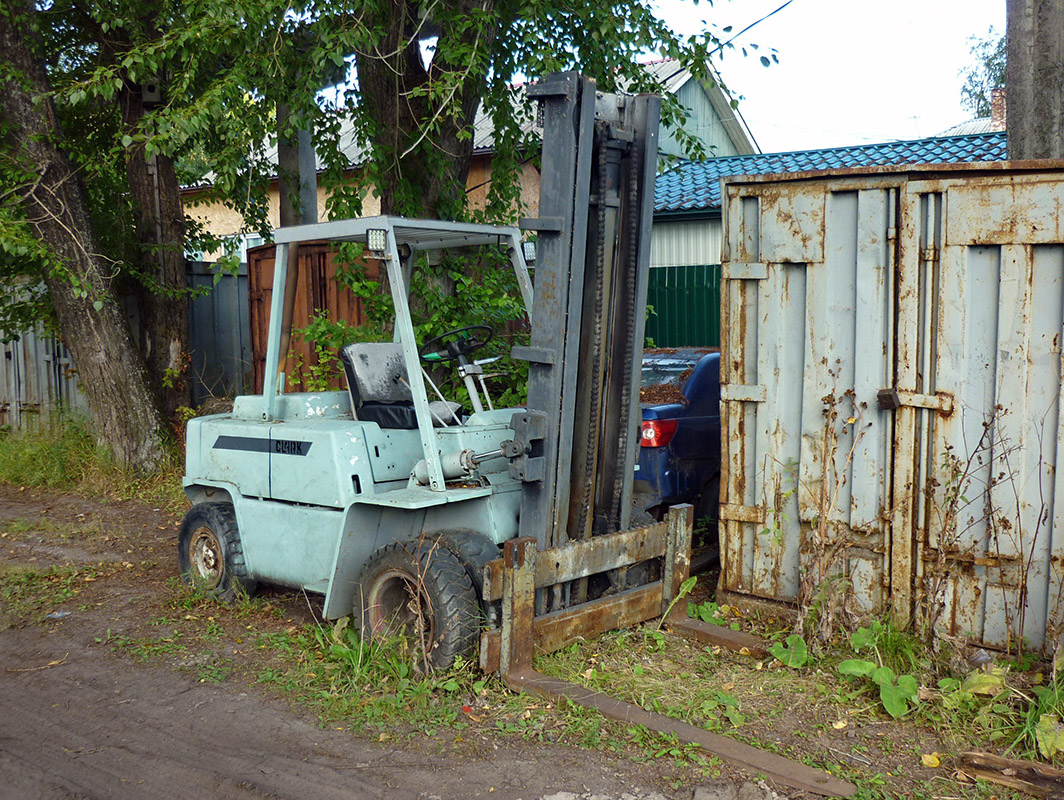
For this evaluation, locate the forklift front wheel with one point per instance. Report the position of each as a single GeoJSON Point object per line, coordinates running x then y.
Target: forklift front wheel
{"type": "Point", "coordinates": [210, 554]}
{"type": "Point", "coordinates": [421, 590]}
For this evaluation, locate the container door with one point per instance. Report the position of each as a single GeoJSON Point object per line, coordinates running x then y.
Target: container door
{"type": "Point", "coordinates": [980, 317]}
{"type": "Point", "coordinates": [807, 335]}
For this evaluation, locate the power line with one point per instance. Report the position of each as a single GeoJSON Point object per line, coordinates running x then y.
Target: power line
{"type": "Point", "coordinates": [752, 24]}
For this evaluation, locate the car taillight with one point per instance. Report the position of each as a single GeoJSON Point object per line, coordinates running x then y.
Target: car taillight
{"type": "Point", "coordinates": [657, 432]}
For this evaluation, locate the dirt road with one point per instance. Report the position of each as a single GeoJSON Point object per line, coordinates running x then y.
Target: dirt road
{"type": "Point", "coordinates": [81, 721]}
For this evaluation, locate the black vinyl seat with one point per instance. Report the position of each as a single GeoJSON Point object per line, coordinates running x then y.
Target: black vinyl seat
{"type": "Point", "coordinates": [380, 391]}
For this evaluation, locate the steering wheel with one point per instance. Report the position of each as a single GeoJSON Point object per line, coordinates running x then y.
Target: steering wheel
{"type": "Point", "coordinates": [451, 345]}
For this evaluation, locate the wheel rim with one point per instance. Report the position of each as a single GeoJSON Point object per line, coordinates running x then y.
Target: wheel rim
{"type": "Point", "coordinates": [205, 556]}
{"type": "Point", "coordinates": [398, 604]}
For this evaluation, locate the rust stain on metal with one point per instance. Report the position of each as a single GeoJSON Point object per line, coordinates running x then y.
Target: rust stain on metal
{"type": "Point", "coordinates": [581, 559]}
{"type": "Point", "coordinates": [553, 631]}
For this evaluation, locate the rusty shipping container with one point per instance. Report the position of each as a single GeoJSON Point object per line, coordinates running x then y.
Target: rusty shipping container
{"type": "Point", "coordinates": [891, 391]}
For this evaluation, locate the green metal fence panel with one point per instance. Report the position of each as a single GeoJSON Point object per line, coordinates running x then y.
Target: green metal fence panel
{"type": "Point", "coordinates": [684, 306]}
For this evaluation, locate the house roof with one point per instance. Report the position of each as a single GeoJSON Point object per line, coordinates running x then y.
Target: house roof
{"type": "Point", "coordinates": [977, 125]}
{"type": "Point", "coordinates": [694, 187]}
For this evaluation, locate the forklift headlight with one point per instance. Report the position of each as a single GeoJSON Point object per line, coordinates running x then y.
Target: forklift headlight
{"type": "Point", "coordinates": [377, 240]}
{"type": "Point", "coordinates": [529, 252]}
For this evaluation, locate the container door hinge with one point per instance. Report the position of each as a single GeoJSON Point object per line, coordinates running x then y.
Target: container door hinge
{"type": "Point", "coordinates": [892, 399]}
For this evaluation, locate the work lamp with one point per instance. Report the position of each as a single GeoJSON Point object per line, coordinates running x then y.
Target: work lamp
{"type": "Point", "coordinates": [377, 240]}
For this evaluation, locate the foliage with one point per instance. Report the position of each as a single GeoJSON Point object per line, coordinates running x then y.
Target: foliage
{"type": "Point", "coordinates": [794, 653]}
{"type": "Point", "coordinates": [63, 454]}
{"type": "Point", "coordinates": [986, 73]}
{"type": "Point", "coordinates": [54, 458]}
{"type": "Point", "coordinates": [709, 612]}
{"type": "Point", "coordinates": [896, 692]}
{"type": "Point", "coordinates": [465, 288]}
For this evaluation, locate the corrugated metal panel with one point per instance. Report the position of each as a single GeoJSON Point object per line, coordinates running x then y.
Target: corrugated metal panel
{"type": "Point", "coordinates": [685, 243]}
{"type": "Point", "coordinates": [37, 376]}
{"type": "Point", "coordinates": [36, 380]}
{"type": "Point", "coordinates": [219, 333]}
{"type": "Point", "coordinates": [685, 304]}
{"type": "Point", "coordinates": [945, 288]}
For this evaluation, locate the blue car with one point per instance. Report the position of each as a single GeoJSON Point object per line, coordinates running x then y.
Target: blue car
{"type": "Point", "coordinates": [679, 456]}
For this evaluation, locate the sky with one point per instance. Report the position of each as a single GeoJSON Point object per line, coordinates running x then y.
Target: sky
{"type": "Point", "coordinates": [850, 71]}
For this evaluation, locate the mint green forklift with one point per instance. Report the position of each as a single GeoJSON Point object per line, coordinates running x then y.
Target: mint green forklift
{"type": "Point", "coordinates": [389, 499]}
{"type": "Point", "coordinates": [331, 491]}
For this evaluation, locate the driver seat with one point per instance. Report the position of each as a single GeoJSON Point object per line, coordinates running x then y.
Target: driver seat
{"type": "Point", "coordinates": [379, 389]}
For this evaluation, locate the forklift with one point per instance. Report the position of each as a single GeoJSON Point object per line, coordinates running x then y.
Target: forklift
{"type": "Point", "coordinates": [390, 498]}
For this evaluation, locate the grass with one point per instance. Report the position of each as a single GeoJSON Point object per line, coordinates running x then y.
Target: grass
{"type": "Point", "coordinates": [64, 456]}
{"type": "Point", "coordinates": [32, 593]}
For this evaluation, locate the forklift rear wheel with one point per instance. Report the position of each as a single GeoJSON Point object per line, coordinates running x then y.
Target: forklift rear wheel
{"type": "Point", "coordinates": [210, 554]}
{"type": "Point", "coordinates": [422, 590]}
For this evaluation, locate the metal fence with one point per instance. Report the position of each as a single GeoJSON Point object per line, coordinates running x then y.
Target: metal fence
{"type": "Point", "coordinates": [36, 380]}
{"type": "Point", "coordinates": [219, 332]}
{"type": "Point", "coordinates": [37, 376]}
{"type": "Point", "coordinates": [684, 305]}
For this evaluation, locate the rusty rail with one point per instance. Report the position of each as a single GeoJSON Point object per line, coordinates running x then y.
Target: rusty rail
{"type": "Point", "coordinates": [515, 578]}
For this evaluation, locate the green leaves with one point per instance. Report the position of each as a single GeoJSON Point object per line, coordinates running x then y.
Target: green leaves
{"type": "Point", "coordinates": [857, 667]}
{"type": "Point", "coordinates": [723, 704]}
{"type": "Point", "coordinates": [707, 612]}
{"type": "Point", "coordinates": [794, 654]}
{"type": "Point", "coordinates": [985, 683]}
{"type": "Point", "coordinates": [896, 692]}
{"type": "Point", "coordinates": [1049, 734]}
{"type": "Point", "coordinates": [867, 638]}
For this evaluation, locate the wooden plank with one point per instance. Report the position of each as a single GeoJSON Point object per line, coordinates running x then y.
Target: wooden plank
{"type": "Point", "coordinates": [518, 604]}
{"type": "Point", "coordinates": [677, 563]}
{"type": "Point", "coordinates": [723, 636]}
{"type": "Point", "coordinates": [553, 631]}
{"type": "Point", "coordinates": [580, 559]}
{"type": "Point", "coordinates": [1037, 780]}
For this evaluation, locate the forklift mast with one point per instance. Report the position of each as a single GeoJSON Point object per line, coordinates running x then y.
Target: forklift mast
{"type": "Point", "coordinates": [575, 445]}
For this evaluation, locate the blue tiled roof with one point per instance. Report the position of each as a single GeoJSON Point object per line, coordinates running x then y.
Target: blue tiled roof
{"type": "Point", "coordinates": [695, 186]}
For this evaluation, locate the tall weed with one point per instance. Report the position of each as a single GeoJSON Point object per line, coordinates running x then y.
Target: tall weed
{"type": "Point", "coordinates": [65, 456]}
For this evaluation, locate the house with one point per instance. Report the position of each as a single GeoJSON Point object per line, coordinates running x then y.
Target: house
{"type": "Point", "coordinates": [684, 286]}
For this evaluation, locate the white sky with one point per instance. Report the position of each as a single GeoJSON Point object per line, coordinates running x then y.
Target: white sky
{"type": "Point", "coordinates": [849, 71]}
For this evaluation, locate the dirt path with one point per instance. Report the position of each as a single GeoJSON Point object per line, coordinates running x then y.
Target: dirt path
{"type": "Point", "coordinates": [92, 726]}
{"type": "Point", "coordinates": [83, 722]}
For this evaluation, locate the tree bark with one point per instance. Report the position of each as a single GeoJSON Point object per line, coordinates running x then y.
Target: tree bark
{"type": "Point", "coordinates": [1035, 79]}
{"type": "Point", "coordinates": [394, 86]}
{"type": "Point", "coordinates": [111, 371]}
{"type": "Point", "coordinates": [160, 229]}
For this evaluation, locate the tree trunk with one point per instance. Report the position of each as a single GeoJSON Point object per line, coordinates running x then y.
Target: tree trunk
{"type": "Point", "coordinates": [92, 323]}
{"type": "Point", "coordinates": [398, 96]}
{"type": "Point", "coordinates": [160, 229]}
{"type": "Point", "coordinates": [1035, 79]}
